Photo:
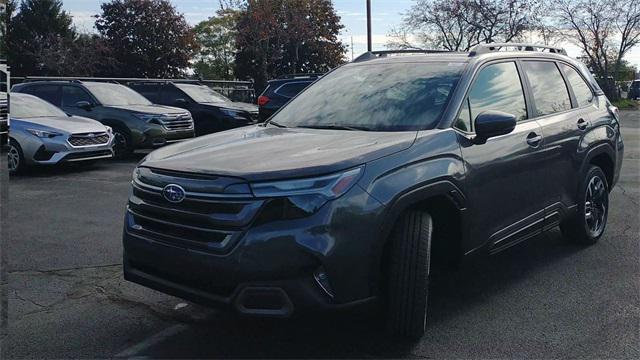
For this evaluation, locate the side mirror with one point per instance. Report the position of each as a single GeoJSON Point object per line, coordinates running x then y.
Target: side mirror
{"type": "Point", "coordinates": [491, 123]}
{"type": "Point", "coordinates": [181, 102]}
{"type": "Point", "coordinates": [85, 105]}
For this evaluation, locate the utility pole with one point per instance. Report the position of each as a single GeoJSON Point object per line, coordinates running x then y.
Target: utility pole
{"type": "Point", "coordinates": [368, 25]}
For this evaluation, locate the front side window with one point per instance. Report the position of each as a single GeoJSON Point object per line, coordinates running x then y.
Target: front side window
{"type": "Point", "coordinates": [497, 88]}
{"type": "Point", "coordinates": [376, 97]}
{"type": "Point", "coordinates": [26, 106]}
{"type": "Point", "coordinates": [71, 95]}
{"type": "Point", "coordinates": [581, 90]}
{"type": "Point", "coordinates": [116, 95]}
{"type": "Point", "coordinates": [549, 90]}
{"type": "Point", "coordinates": [50, 93]}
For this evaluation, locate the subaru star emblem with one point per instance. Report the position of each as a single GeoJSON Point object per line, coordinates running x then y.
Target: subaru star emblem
{"type": "Point", "coordinates": [173, 193]}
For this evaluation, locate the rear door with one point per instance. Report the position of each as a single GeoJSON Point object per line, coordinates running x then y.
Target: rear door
{"type": "Point", "coordinates": [564, 119]}
{"type": "Point", "coordinates": [506, 203]}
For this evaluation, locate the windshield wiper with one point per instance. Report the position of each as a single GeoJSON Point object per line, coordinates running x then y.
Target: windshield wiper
{"type": "Point", "coordinates": [336, 127]}
{"type": "Point", "coordinates": [276, 124]}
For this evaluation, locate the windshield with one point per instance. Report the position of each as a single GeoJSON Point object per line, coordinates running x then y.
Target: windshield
{"type": "Point", "coordinates": [378, 97]}
{"type": "Point", "coordinates": [202, 93]}
{"type": "Point", "coordinates": [116, 95]}
{"type": "Point", "coordinates": [27, 106]}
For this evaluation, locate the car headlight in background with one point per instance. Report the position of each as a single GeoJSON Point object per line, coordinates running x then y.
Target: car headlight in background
{"type": "Point", "coordinates": [309, 194]}
{"type": "Point", "coordinates": [109, 129]}
{"type": "Point", "coordinates": [231, 113]}
{"type": "Point", "coordinates": [44, 133]}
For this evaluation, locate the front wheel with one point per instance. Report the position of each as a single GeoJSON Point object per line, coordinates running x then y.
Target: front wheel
{"type": "Point", "coordinates": [122, 143]}
{"type": "Point", "coordinates": [408, 276]}
{"type": "Point", "coordinates": [15, 157]}
{"type": "Point", "coordinates": [587, 225]}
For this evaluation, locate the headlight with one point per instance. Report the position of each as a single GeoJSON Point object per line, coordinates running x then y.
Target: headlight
{"type": "Point", "coordinates": [330, 186]}
{"type": "Point", "coordinates": [230, 112]}
{"type": "Point", "coordinates": [109, 129]}
{"type": "Point", "coordinates": [308, 195]}
{"type": "Point", "coordinates": [44, 133]}
{"type": "Point", "coordinates": [151, 118]}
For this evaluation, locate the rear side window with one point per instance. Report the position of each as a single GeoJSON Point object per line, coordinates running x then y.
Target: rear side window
{"type": "Point", "coordinates": [292, 89]}
{"type": "Point", "coordinates": [71, 95]}
{"type": "Point", "coordinates": [497, 87]}
{"type": "Point", "coordinates": [549, 90]}
{"type": "Point", "coordinates": [171, 94]}
{"type": "Point", "coordinates": [581, 90]}
{"type": "Point", "coordinates": [50, 93]}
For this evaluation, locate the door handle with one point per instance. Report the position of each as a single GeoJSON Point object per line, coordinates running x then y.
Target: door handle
{"type": "Point", "coordinates": [534, 139]}
{"type": "Point", "coordinates": [582, 124]}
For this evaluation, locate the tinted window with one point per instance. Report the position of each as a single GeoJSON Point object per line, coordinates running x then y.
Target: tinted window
{"type": "Point", "coordinates": [549, 90]}
{"type": "Point", "coordinates": [50, 93]}
{"type": "Point", "coordinates": [381, 97]}
{"type": "Point", "coordinates": [292, 89]}
{"type": "Point", "coordinates": [115, 94]}
{"type": "Point", "coordinates": [580, 88]}
{"type": "Point", "coordinates": [26, 106]}
{"type": "Point", "coordinates": [170, 94]}
{"type": "Point", "coordinates": [71, 95]}
{"type": "Point", "coordinates": [150, 91]}
{"type": "Point", "coordinates": [464, 117]}
{"type": "Point", "coordinates": [497, 87]}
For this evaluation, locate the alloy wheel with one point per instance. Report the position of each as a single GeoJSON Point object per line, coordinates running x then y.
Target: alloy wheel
{"type": "Point", "coordinates": [14, 158]}
{"type": "Point", "coordinates": [596, 204]}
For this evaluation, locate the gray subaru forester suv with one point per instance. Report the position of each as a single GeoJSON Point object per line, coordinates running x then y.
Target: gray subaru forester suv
{"type": "Point", "coordinates": [380, 172]}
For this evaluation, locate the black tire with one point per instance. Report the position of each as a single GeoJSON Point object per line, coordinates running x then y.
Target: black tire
{"type": "Point", "coordinates": [122, 143]}
{"type": "Point", "coordinates": [408, 275]}
{"type": "Point", "coordinates": [587, 225]}
{"type": "Point", "coordinates": [15, 160]}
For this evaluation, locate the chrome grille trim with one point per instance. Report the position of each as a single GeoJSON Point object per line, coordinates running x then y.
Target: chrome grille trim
{"type": "Point", "coordinates": [192, 195]}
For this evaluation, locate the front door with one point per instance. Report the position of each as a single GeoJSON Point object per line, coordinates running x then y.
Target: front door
{"type": "Point", "coordinates": [505, 199]}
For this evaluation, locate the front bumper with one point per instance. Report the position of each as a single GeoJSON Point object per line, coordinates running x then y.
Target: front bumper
{"type": "Point", "coordinates": [268, 267]}
{"type": "Point", "coordinates": [51, 151]}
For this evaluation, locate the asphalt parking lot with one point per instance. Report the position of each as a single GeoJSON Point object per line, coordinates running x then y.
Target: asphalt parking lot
{"type": "Point", "coordinates": [542, 299]}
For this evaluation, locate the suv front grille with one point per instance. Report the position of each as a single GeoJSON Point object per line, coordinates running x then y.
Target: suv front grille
{"type": "Point", "coordinates": [199, 223]}
{"type": "Point", "coordinates": [80, 140]}
{"type": "Point", "coordinates": [177, 122]}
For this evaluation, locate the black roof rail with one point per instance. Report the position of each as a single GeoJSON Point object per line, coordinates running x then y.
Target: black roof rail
{"type": "Point", "coordinates": [493, 47]}
{"type": "Point", "coordinates": [302, 75]}
{"type": "Point", "coordinates": [384, 53]}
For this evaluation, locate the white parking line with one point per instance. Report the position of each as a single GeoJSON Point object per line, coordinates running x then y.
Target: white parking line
{"type": "Point", "coordinates": [134, 350]}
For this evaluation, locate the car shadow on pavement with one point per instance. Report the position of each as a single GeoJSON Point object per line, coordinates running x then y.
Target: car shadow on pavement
{"type": "Point", "coordinates": [359, 335]}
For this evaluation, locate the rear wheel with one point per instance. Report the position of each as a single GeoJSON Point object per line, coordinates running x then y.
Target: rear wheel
{"type": "Point", "coordinates": [122, 144]}
{"type": "Point", "coordinates": [587, 225]}
{"type": "Point", "coordinates": [15, 157]}
{"type": "Point", "coordinates": [408, 281]}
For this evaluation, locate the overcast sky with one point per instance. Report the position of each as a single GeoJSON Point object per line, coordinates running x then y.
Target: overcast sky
{"type": "Point", "coordinates": [385, 14]}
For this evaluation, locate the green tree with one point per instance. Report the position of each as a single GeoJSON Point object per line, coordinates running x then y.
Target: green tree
{"type": "Point", "coordinates": [277, 37]}
{"type": "Point", "coordinates": [216, 37]}
{"type": "Point", "coordinates": [38, 25]}
{"type": "Point", "coordinates": [148, 38]}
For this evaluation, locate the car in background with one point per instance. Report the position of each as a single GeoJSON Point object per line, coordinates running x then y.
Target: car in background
{"type": "Point", "coordinates": [42, 134]}
{"type": "Point", "coordinates": [136, 122]}
{"type": "Point", "coordinates": [279, 91]}
{"type": "Point", "coordinates": [634, 90]}
{"type": "Point", "coordinates": [211, 111]}
{"type": "Point", "coordinates": [4, 118]}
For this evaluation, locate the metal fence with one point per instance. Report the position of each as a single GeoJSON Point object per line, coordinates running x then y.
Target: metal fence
{"type": "Point", "coordinates": [234, 90]}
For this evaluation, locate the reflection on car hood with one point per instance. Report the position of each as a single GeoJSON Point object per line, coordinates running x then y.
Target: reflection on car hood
{"type": "Point", "coordinates": [69, 125]}
{"type": "Point", "coordinates": [262, 153]}
{"type": "Point", "coordinates": [151, 109]}
{"type": "Point", "coordinates": [235, 106]}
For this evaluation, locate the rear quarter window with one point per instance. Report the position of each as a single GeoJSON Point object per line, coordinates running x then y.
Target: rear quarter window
{"type": "Point", "coordinates": [581, 90]}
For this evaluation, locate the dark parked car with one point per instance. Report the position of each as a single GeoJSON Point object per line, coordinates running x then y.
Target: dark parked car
{"type": "Point", "coordinates": [278, 92]}
{"type": "Point", "coordinates": [212, 112]}
{"type": "Point", "coordinates": [136, 122]}
{"type": "Point", "coordinates": [634, 90]}
{"type": "Point", "coordinates": [418, 162]}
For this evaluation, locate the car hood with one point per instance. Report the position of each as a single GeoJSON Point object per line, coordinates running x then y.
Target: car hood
{"type": "Point", "coordinates": [264, 153]}
{"type": "Point", "coordinates": [151, 109]}
{"type": "Point", "coordinates": [235, 106]}
{"type": "Point", "coordinates": [70, 125]}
